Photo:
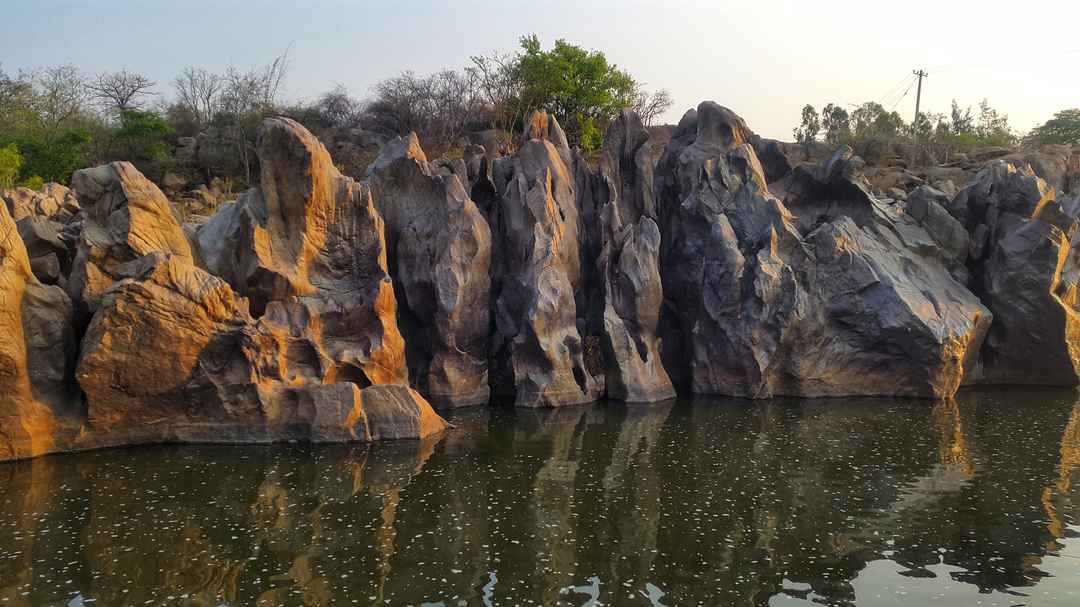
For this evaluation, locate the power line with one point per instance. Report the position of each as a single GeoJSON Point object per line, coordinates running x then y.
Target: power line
{"type": "Point", "coordinates": [903, 95]}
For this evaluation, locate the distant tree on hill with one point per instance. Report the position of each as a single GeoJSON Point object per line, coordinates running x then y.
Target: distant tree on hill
{"type": "Point", "coordinates": [808, 130]}
{"type": "Point", "coordinates": [1064, 128]}
{"type": "Point", "coordinates": [121, 91]}
{"type": "Point", "coordinates": [836, 123]}
{"type": "Point", "coordinates": [649, 107]}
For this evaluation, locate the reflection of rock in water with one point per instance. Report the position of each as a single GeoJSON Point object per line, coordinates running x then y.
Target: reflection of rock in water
{"type": "Point", "coordinates": [1062, 493]}
{"type": "Point", "coordinates": [718, 502]}
{"type": "Point", "coordinates": [215, 524]}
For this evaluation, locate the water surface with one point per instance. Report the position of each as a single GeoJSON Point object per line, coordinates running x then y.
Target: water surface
{"type": "Point", "coordinates": [710, 502]}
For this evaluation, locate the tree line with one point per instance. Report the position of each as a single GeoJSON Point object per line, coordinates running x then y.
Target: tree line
{"type": "Point", "coordinates": [872, 130]}
{"type": "Point", "coordinates": [56, 120]}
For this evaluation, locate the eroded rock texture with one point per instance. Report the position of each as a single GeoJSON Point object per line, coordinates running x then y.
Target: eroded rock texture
{"type": "Point", "coordinates": [308, 249]}
{"type": "Point", "coordinates": [623, 218]}
{"type": "Point", "coordinates": [126, 216]}
{"type": "Point", "coordinates": [537, 345]}
{"type": "Point", "coordinates": [313, 305]}
{"type": "Point", "coordinates": [1023, 264]}
{"type": "Point", "coordinates": [820, 296]}
{"type": "Point", "coordinates": [219, 374]}
{"type": "Point", "coordinates": [439, 247]}
{"type": "Point", "coordinates": [37, 353]}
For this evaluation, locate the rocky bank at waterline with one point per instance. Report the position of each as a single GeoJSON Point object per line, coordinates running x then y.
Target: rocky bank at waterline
{"type": "Point", "coordinates": [320, 308]}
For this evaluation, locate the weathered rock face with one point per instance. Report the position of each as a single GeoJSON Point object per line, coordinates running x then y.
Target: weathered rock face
{"type": "Point", "coordinates": [172, 352]}
{"type": "Point", "coordinates": [627, 266]}
{"type": "Point", "coordinates": [54, 202]}
{"type": "Point", "coordinates": [126, 217]}
{"type": "Point", "coordinates": [1024, 267]}
{"type": "Point", "coordinates": [537, 345]}
{"type": "Point", "coordinates": [219, 375]}
{"type": "Point", "coordinates": [533, 276]}
{"type": "Point", "coordinates": [37, 353]}
{"type": "Point", "coordinates": [312, 241]}
{"type": "Point", "coordinates": [439, 247]}
{"type": "Point", "coordinates": [763, 310]}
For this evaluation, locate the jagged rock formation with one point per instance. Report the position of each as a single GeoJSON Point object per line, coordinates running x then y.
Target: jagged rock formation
{"type": "Point", "coordinates": [623, 221]}
{"type": "Point", "coordinates": [305, 309]}
{"type": "Point", "coordinates": [308, 248]}
{"type": "Point", "coordinates": [37, 353]}
{"type": "Point", "coordinates": [125, 217]}
{"type": "Point", "coordinates": [537, 343]}
{"type": "Point", "coordinates": [763, 310]}
{"type": "Point", "coordinates": [1024, 256]}
{"type": "Point", "coordinates": [439, 247]}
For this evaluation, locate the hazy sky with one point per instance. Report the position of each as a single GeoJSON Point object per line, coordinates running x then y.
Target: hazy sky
{"type": "Point", "coordinates": [763, 59]}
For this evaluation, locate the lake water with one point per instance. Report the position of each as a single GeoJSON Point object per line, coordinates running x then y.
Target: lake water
{"type": "Point", "coordinates": [712, 502]}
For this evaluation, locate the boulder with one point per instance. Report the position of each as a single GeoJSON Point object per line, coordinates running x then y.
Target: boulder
{"type": "Point", "coordinates": [37, 354]}
{"type": "Point", "coordinates": [54, 202]}
{"type": "Point", "coordinates": [50, 249]}
{"type": "Point", "coordinates": [628, 265]}
{"type": "Point", "coordinates": [219, 375]}
{"type": "Point", "coordinates": [439, 249]}
{"type": "Point", "coordinates": [126, 217]}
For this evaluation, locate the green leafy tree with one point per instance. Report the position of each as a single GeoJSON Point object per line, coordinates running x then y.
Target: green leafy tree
{"type": "Point", "coordinates": [836, 123]}
{"type": "Point", "coordinates": [11, 162]}
{"type": "Point", "coordinates": [1064, 128]}
{"type": "Point", "coordinates": [580, 87]}
{"type": "Point", "coordinates": [871, 120]}
{"type": "Point", "coordinates": [810, 127]}
{"type": "Point", "coordinates": [142, 135]}
{"type": "Point", "coordinates": [55, 158]}
{"type": "Point", "coordinates": [960, 121]}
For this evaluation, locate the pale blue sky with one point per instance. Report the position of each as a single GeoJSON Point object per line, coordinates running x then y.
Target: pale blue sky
{"type": "Point", "coordinates": [763, 59]}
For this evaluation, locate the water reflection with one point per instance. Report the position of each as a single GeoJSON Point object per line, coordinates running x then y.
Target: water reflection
{"type": "Point", "coordinates": [710, 502]}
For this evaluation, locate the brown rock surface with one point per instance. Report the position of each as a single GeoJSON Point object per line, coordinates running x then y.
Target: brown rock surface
{"type": "Point", "coordinates": [126, 217]}
{"type": "Point", "coordinates": [312, 240]}
{"type": "Point", "coordinates": [37, 352]}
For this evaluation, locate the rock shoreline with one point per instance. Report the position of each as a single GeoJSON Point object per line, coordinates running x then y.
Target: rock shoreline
{"type": "Point", "coordinates": [320, 308]}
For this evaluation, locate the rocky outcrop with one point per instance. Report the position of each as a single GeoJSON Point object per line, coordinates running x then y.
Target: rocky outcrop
{"type": "Point", "coordinates": [308, 249]}
{"type": "Point", "coordinates": [219, 375]}
{"type": "Point", "coordinates": [316, 307]}
{"type": "Point", "coordinates": [1023, 266]}
{"type": "Point", "coordinates": [439, 248]}
{"type": "Point", "coordinates": [627, 267]}
{"type": "Point", "coordinates": [763, 310]}
{"type": "Point", "coordinates": [37, 353]}
{"type": "Point", "coordinates": [539, 352]}
{"type": "Point", "coordinates": [126, 216]}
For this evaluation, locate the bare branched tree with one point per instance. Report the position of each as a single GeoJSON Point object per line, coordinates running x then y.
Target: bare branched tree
{"type": "Point", "coordinates": [121, 91]}
{"type": "Point", "coordinates": [246, 97]}
{"type": "Point", "coordinates": [438, 108]}
{"type": "Point", "coordinates": [339, 109]}
{"type": "Point", "coordinates": [59, 95]}
{"type": "Point", "coordinates": [199, 91]}
{"type": "Point", "coordinates": [499, 80]}
{"type": "Point", "coordinates": [650, 107]}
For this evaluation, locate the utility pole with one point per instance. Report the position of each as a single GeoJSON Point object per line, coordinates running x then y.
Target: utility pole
{"type": "Point", "coordinates": [915, 125]}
